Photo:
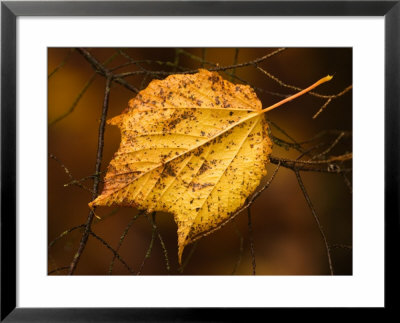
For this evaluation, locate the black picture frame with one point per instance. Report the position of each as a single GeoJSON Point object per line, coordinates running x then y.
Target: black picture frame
{"type": "Point", "coordinates": [10, 10]}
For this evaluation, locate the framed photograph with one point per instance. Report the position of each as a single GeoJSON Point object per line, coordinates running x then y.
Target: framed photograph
{"type": "Point", "coordinates": [161, 159]}
{"type": "Point", "coordinates": [202, 126]}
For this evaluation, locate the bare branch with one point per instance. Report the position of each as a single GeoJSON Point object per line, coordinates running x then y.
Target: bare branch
{"type": "Point", "coordinates": [59, 66]}
{"type": "Point", "coordinates": [81, 93]}
{"type": "Point", "coordinates": [235, 59]}
{"type": "Point", "coordinates": [145, 61]}
{"type": "Point", "coordinates": [63, 234]}
{"type": "Point", "coordinates": [230, 74]}
{"type": "Point", "coordinates": [189, 256]}
{"type": "Point", "coordinates": [121, 240]}
{"type": "Point", "coordinates": [250, 202]}
{"type": "Point", "coordinates": [322, 108]}
{"type": "Point", "coordinates": [324, 166]}
{"type": "Point", "coordinates": [253, 256]}
{"type": "Point", "coordinates": [348, 183]}
{"type": "Point", "coordinates": [165, 252]}
{"type": "Point", "coordinates": [318, 162]}
{"type": "Point", "coordinates": [56, 270]}
{"type": "Point", "coordinates": [326, 151]}
{"type": "Point", "coordinates": [293, 142]}
{"type": "Point", "coordinates": [203, 56]}
{"type": "Point", "coordinates": [73, 180]}
{"type": "Point", "coordinates": [215, 69]}
{"type": "Point", "coordinates": [96, 181]}
{"type": "Point", "coordinates": [99, 68]}
{"type": "Point", "coordinates": [330, 99]}
{"type": "Point", "coordinates": [164, 249]}
{"type": "Point", "coordinates": [309, 150]}
{"type": "Point", "coordinates": [150, 248]}
{"type": "Point", "coordinates": [341, 246]}
{"type": "Point", "coordinates": [253, 62]}
{"type": "Point", "coordinates": [314, 213]}
{"type": "Point", "coordinates": [318, 95]}
{"type": "Point", "coordinates": [113, 251]}
{"type": "Point", "coordinates": [239, 259]}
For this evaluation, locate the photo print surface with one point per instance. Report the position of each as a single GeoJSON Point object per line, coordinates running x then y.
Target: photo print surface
{"type": "Point", "coordinates": [200, 161]}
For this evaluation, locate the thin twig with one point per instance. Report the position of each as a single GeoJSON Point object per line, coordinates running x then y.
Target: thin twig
{"type": "Point", "coordinates": [235, 60]}
{"type": "Point", "coordinates": [96, 180]}
{"type": "Point", "coordinates": [79, 181]}
{"type": "Point", "coordinates": [177, 58]}
{"type": "Point", "coordinates": [143, 82]}
{"type": "Point", "coordinates": [73, 180]}
{"type": "Point", "coordinates": [348, 183]}
{"type": "Point", "coordinates": [322, 108]}
{"type": "Point", "coordinates": [59, 66]}
{"type": "Point", "coordinates": [148, 252]}
{"type": "Point", "coordinates": [142, 70]}
{"type": "Point", "coordinates": [113, 251]}
{"type": "Point", "coordinates": [258, 193]}
{"type": "Point", "coordinates": [322, 166]}
{"type": "Point", "coordinates": [250, 63]}
{"type": "Point", "coordinates": [250, 202]}
{"type": "Point", "coordinates": [52, 156]}
{"type": "Point", "coordinates": [214, 69]}
{"type": "Point", "coordinates": [239, 259]}
{"type": "Point", "coordinates": [328, 165]}
{"type": "Point", "coordinates": [282, 142]}
{"type": "Point", "coordinates": [150, 248]}
{"type": "Point", "coordinates": [309, 150]}
{"type": "Point", "coordinates": [105, 72]}
{"type": "Point", "coordinates": [81, 93]}
{"type": "Point", "coordinates": [199, 59]}
{"type": "Point", "coordinates": [58, 269]}
{"type": "Point", "coordinates": [141, 61]}
{"type": "Point", "coordinates": [203, 56]}
{"type": "Point", "coordinates": [314, 213]}
{"type": "Point", "coordinates": [231, 75]}
{"type": "Point", "coordinates": [318, 95]}
{"type": "Point", "coordinates": [164, 249]}
{"type": "Point", "coordinates": [326, 151]}
{"type": "Point", "coordinates": [251, 240]}
{"type": "Point", "coordinates": [153, 223]}
{"type": "Point", "coordinates": [341, 246]}
{"type": "Point", "coordinates": [187, 259]}
{"type": "Point", "coordinates": [63, 234]}
{"type": "Point", "coordinates": [295, 144]}
{"type": "Point", "coordinates": [147, 72]}
{"type": "Point", "coordinates": [330, 99]}
{"type": "Point", "coordinates": [102, 218]}
{"type": "Point", "coordinates": [121, 240]}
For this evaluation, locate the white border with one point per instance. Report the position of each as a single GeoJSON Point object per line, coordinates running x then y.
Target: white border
{"type": "Point", "coordinates": [364, 288]}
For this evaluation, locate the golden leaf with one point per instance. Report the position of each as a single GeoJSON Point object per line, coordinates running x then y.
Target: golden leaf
{"type": "Point", "coordinates": [193, 145]}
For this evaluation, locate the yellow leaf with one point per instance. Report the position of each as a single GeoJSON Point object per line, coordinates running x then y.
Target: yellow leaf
{"type": "Point", "coordinates": [194, 145]}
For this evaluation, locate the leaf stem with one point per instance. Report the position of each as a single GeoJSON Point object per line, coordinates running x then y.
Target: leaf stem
{"type": "Point", "coordinates": [294, 96]}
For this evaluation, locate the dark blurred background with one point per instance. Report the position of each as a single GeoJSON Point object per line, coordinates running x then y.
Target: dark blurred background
{"type": "Point", "coordinates": [286, 237]}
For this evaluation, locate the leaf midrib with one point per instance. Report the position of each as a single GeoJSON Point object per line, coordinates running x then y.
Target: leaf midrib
{"type": "Point", "coordinates": [248, 117]}
{"type": "Point", "coordinates": [212, 190]}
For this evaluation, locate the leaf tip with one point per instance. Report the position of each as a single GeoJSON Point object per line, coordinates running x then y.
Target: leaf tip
{"type": "Point", "coordinates": [180, 252]}
{"type": "Point", "coordinates": [92, 204]}
{"type": "Point", "coordinates": [114, 121]}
